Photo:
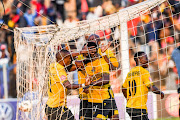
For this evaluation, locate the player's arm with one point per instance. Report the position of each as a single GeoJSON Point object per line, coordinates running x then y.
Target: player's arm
{"type": "Point", "coordinates": [155, 90]}
{"type": "Point", "coordinates": [68, 85]}
{"type": "Point", "coordinates": [149, 84]}
{"type": "Point", "coordinates": [124, 90]}
{"type": "Point", "coordinates": [110, 58]}
{"type": "Point", "coordinates": [111, 66]}
{"type": "Point", "coordinates": [102, 81]}
{"type": "Point", "coordinates": [76, 65]}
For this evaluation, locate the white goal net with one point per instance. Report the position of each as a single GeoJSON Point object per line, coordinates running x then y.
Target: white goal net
{"type": "Point", "coordinates": [55, 63]}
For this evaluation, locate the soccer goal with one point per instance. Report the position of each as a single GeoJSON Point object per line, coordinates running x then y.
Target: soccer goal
{"type": "Point", "coordinates": [150, 26]}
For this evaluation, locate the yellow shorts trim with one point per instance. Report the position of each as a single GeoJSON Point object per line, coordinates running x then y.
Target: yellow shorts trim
{"type": "Point", "coordinates": [81, 117]}
{"type": "Point", "coordinates": [101, 116]}
{"type": "Point", "coordinates": [116, 112]}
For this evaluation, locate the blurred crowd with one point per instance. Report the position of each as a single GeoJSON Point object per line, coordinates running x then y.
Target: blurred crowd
{"type": "Point", "coordinates": [155, 32]}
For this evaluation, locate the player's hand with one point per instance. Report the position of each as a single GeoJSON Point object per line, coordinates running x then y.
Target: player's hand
{"type": "Point", "coordinates": [162, 95]}
{"type": "Point", "coordinates": [105, 47]}
{"type": "Point", "coordinates": [86, 90]}
{"type": "Point", "coordinates": [79, 64]}
{"type": "Point", "coordinates": [89, 50]}
{"type": "Point", "coordinates": [88, 80]}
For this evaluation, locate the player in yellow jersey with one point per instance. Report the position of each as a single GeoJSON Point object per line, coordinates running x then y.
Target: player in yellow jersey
{"type": "Point", "coordinates": [136, 86]}
{"type": "Point", "coordinates": [58, 84]}
{"type": "Point", "coordinates": [109, 58]}
{"type": "Point", "coordinates": [101, 102]}
{"type": "Point", "coordinates": [104, 51]}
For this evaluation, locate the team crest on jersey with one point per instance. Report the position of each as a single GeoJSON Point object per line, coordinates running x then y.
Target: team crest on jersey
{"type": "Point", "coordinates": [63, 77]}
{"type": "Point", "coordinates": [93, 69]}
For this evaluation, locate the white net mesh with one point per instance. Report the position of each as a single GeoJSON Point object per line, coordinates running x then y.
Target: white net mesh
{"type": "Point", "coordinates": [152, 27]}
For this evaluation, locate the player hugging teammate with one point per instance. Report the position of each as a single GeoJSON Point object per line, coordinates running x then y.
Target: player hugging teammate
{"type": "Point", "coordinates": [96, 96]}
{"type": "Point", "coordinates": [95, 93]}
{"type": "Point", "coordinates": [97, 99]}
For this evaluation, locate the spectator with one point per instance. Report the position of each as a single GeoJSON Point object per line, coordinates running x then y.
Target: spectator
{"type": "Point", "coordinates": [176, 58]}
{"type": "Point", "coordinates": [60, 8]}
{"type": "Point", "coordinates": [22, 21]}
{"type": "Point", "coordinates": [151, 32]}
{"type": "Point", "coordinates": [91, 15]}
{"type": "Point", "coordinates": [4, 58]}
{"type": "Point", "coordinates": [42, 20]}
{"type": "Point", "coordinates": [52, 13]}
{"type": "Point", "coordinates": [29, 16]}
{"type": "Point", "coordinates": [84, 7]}
{"type": "Point", "coordinates": [2, 36]}
{"type": "Point", "coordinates": [8, 68]}
{"type": "Point", "coordinates": [4, 53]}
{"type": "Point", "coordinates": [70, 22]}
{"type": "Point", "coordinates": [59, 20]}
{"type": "Point", "coordinates": [164, 33]}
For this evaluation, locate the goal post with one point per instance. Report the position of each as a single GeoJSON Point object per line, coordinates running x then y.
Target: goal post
{"type": "Point", "coordinates": [36, 48]}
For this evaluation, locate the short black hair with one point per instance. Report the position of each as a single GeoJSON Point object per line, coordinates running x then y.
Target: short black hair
{"type": "Point", "coordinates": [91, 44]}
{"type": "Point", "coordinates": [61, 54]}
{"type": "Point", "coordinates": [137, 54]}
{"type": "Point", "coordinates": [178, 90]}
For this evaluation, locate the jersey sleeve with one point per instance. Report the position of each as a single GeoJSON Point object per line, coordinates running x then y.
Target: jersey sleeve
{"type": "Point", "coordinates": [147, 78]}
{"type": "Point", "coordinates": [112, 57]}
{"type": "Point", "coordinates": [58, 73]}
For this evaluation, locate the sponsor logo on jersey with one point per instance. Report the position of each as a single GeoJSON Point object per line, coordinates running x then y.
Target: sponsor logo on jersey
{"type": "Point", "coordinates": [63, 77]}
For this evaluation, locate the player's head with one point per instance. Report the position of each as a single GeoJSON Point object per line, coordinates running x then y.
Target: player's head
{"type": "Point", "coordinates": [141, 59]}
{"type": "Point", "coordinates": [92, 46]}
{"type": "Point", "coordinates": [94, 38]}
{"type": "Point", "coordinates": [63, 57]}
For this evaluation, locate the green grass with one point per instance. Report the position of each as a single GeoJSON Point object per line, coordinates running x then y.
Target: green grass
{"type": "Point", "coordinates": [170, 118]}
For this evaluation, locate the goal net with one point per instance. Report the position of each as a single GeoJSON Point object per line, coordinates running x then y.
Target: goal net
{"type": "Point", "coordinates": [151, 26]}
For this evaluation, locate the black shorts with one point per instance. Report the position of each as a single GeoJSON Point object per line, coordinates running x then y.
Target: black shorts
{"type": "Point", "coordinates": [82, 109]}
{"type": "Point", "coordinates": [137, 114]}
{"type": "Point", "coordinates": [101, 110]}
{"type": "Point", "coordinates": [59, 113]}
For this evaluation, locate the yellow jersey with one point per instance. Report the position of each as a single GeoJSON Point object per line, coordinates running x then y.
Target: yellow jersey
{"type": "Point", "coordinates": [111, 57]}
{"type": "Point", "coordinates": [81, 80]}
{"type": "Point", "coordinates": [137, 82]}
{"type": "Point", "coordinates": [57, 92]}
{"type": "Point", "coordinates": [96, 69]}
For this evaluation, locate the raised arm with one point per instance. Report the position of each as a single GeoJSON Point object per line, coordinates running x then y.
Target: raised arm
{"type": "Point", "coordinates": [102, 81]}
{"type": "Point", "coordinates": [109, 58]}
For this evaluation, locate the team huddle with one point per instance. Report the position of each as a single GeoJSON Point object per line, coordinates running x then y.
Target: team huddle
{"type": "Point", "coordinates": [97, 102]}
